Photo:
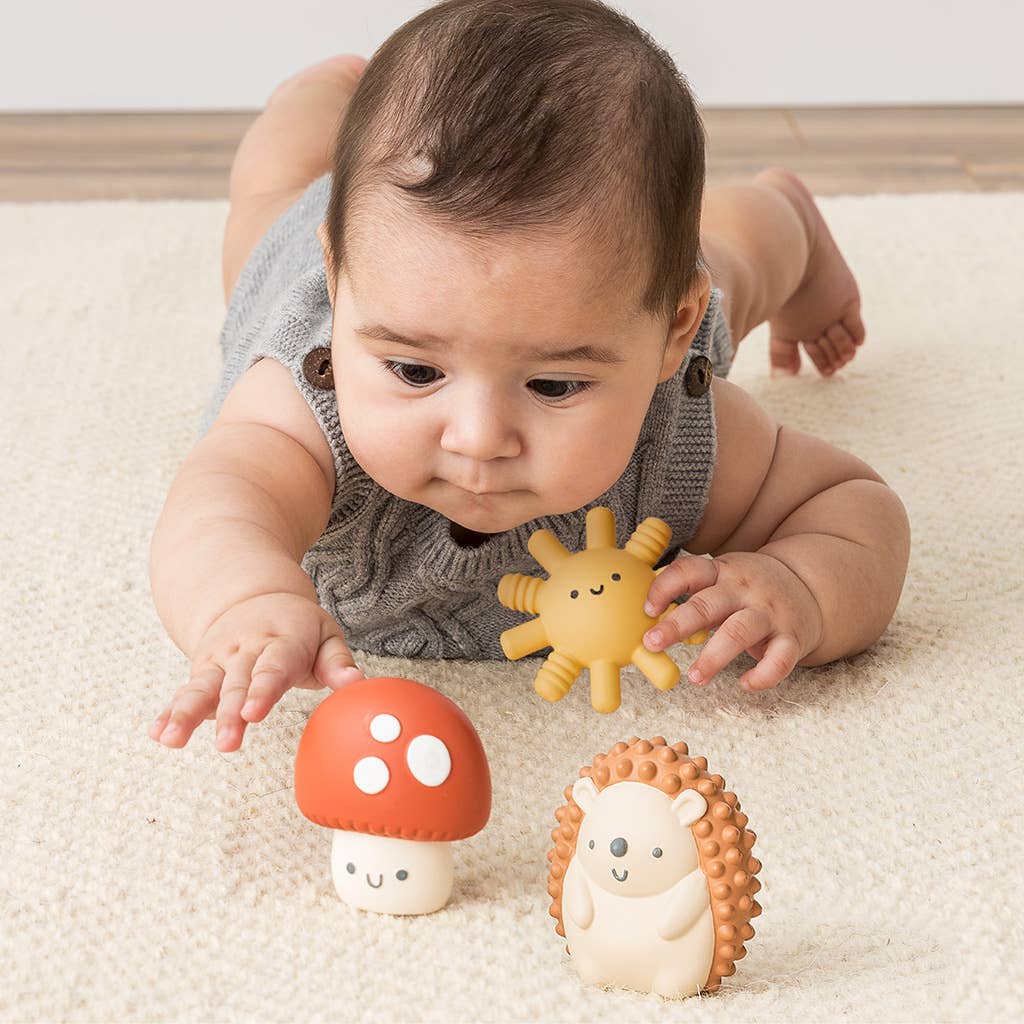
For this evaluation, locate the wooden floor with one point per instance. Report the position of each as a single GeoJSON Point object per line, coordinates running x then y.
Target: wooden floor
{"type": "Point", "coordinates": [836, 150]}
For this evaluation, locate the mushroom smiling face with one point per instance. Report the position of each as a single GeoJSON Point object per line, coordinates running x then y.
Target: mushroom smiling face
{"type": "Point", "coordinates": [631, 843]}
{"type": "Point", "coordinates": [391, 876]}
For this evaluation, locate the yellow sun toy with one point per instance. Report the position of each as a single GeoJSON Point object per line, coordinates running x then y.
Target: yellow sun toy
{"type": "Point", "coordinates": [591, 610]}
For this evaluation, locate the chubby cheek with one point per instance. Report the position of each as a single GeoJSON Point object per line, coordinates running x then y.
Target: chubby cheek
{"type": "Point", "coordinates": [380, 435]}
{"type": "Point", "coordinates": [583, 462]}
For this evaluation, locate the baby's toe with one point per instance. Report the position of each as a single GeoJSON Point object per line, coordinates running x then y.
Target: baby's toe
{"type": "Point", "coordinates": [853, 324]}
{"type": "Point", "coordinates": [843, 344]}
{"type": "Point", "coordinates": [821, 354]}
{"type": "Point", "coordinates": [784, 357]}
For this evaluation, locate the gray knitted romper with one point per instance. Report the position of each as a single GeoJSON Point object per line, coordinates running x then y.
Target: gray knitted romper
{"type": "Point", "coordinates": [388, 569]}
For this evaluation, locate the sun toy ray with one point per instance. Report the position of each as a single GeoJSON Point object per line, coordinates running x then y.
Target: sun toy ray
{"type": "Point", "coordinates": [591, 610]}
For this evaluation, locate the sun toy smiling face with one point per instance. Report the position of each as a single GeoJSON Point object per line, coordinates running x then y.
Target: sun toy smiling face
{"type": "Point", "coordinates": [593, 604]}
{"type": "Point", "coordinates": [591, 609]}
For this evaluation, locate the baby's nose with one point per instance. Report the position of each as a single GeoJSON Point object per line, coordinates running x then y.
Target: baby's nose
{"type": "Point", "coordinates": [619, 847]}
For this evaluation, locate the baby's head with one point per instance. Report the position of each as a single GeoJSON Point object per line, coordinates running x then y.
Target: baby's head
{"type": "Point", "coordinates": [512, 179]}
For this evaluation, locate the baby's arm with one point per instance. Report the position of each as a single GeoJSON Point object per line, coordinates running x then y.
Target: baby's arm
{"type": "Point", "coordinates": [225, 574]}
{"type": "Point", "coordinates": [245, 506]}
{"type": "Point", "coordinates": [810, 549]}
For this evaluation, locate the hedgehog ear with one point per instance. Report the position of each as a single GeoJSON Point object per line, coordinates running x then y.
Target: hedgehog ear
{"type": "Point", "coordinates": [584, 792]}
{"type": "Point", "coordinates": [689, 807]}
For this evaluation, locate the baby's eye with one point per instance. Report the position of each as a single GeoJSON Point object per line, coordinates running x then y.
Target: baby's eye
{"type": "Point", "coordinates": [399, 370]}
{"type": "Point", "coordinates": [417, 376]}
{"type": "Point", "coordinates": [578, 386]}
{"type": "Point", "coordinates": [656, 852]}
{"type": "Point", "coordinates": [402, 875]}
{"type": "Point", "coordinates": [350, 868]}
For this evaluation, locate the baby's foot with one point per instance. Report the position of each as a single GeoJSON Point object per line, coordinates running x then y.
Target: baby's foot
{"type": "Point", "coordinates": [824, 312]}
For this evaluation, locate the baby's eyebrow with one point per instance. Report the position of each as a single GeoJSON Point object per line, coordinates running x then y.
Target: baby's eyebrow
{"type": "Point", "coordinates": [586, 353]}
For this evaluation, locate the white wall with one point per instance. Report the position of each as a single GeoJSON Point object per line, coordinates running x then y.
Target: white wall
{"type": "Point", "coordinates": [191, 54]}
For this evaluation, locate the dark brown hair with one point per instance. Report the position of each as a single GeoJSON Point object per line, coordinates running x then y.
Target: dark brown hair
{"type": "Point", "coordinates": [532, 116]}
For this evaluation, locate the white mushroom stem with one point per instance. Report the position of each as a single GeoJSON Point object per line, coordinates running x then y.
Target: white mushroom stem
{"type": "Point", "coordinates": [391, 876]}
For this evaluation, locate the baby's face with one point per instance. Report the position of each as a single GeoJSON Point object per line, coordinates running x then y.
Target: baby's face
{"type": "Point", "coordinates": [478, 424]}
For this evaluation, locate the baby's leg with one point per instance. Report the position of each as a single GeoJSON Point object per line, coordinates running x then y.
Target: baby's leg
{"type": "Point", "coordinates": [285, 148]}
{"type": "Point", "coordinates": [769, 249]}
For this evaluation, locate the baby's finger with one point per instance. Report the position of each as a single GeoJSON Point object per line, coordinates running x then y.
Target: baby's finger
{"type": "Point", "coordinates": [780, 658]}
{"type": "Point", "coordinates": [740, 631]}
{"type": "Point", "coordinates": [195, 702]}
{"type": "Point", "coordinates": [159, 722]}
{"type": "Point", "coordinates": [686, 574]}
{"type": "Point", "coordinates": [233, 693]}
{"type": "Point", "coordinates": [283, 663]}
{"type": "Point", "coordinates": [335, 665]}
{"type": "Point", "coordinates": [704, 610]}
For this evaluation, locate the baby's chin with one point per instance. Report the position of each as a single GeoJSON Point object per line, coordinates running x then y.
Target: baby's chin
{"type": "Point", "coordinates": [500, 514]}
{"type": "Point", "coordinates": [489, 522]}
{"type": "Point", "coordinates": [487, 514]}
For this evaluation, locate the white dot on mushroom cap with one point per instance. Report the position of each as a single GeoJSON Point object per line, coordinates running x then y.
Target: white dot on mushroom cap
{"type": "Point", "coordinates": [429, 760]}
{"type": "Point", "coordinates": [370, 775]}
{"type": "Point", "coordinates": [385, 728]}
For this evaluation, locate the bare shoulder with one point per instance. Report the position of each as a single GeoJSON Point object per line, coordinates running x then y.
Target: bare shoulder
{"type": "Point", "coordinates": [764, 470]}
{"type": "Point", "coordinates": [266, 394]}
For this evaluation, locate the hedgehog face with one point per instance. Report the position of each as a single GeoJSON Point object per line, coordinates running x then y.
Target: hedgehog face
{"type": "Point", "coordinates": [635, 840]}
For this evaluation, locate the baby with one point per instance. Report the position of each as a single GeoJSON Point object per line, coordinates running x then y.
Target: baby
{"type": "Point", "coordinates": [476, 287]}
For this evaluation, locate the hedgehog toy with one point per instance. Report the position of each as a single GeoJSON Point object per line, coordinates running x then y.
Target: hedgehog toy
{"type": "Point", "coordinates": [652, 877]}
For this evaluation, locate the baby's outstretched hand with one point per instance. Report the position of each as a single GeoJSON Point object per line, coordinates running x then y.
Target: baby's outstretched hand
{"type": "Point", "coordinates": [754, 602]}
{"type": "Point", "coordinates": [248, 659]}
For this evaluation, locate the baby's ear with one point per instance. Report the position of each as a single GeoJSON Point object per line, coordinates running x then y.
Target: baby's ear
{"type": "Point", "coordinates": [332, 277]}
{"type": "Point", "coordinates": [684, 327]}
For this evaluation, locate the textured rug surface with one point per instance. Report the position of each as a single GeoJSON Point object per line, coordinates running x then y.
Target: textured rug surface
{"type": "Point", "coordinates": [886, 790]}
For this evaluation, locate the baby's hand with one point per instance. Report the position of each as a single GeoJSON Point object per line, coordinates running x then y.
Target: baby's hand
{"type": "Point", "coordinates": [248, 659]}
{"type": "Point", "coordinates": [754, 603]}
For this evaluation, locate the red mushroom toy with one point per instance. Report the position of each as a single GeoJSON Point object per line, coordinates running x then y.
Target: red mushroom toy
{"type": "Point", "coordinates": [399, 772]}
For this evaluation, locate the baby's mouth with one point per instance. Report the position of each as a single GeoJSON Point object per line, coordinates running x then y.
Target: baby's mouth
{"type": "Point", "coordinates": [380, 881]}
{"type": "Point", "coordinates": [600, 590]}
{"type": "Point", "coordinates": [615, 874]}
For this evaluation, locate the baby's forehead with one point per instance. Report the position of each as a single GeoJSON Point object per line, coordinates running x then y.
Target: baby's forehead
{"type": "Point", "coordinates": [532, 316]}
{"type": "Point", "coordinates": [572, 273]}
{"type": "Point", "coordinates": [457, 319]}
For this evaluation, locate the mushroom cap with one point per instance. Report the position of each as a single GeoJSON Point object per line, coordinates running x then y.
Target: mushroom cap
{"type": "Point", "coordinates": [393, 757]}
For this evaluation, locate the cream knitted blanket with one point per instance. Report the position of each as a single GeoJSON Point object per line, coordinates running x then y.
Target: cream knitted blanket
{"type": "Point", "coordinates": [887, 791]}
